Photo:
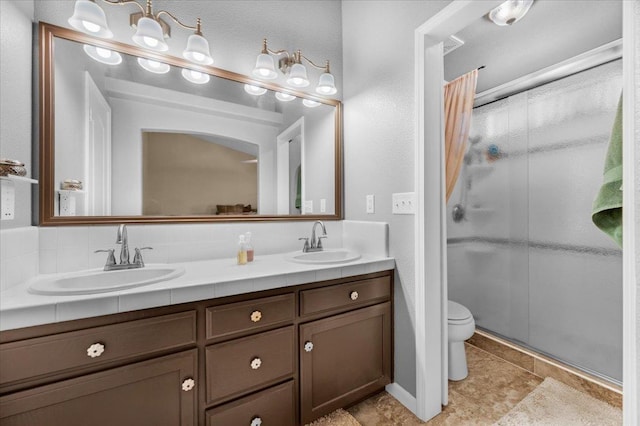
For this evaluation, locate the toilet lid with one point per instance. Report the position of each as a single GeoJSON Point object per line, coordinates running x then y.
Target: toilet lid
{"type": "Point", "coordinates": [458, 312]}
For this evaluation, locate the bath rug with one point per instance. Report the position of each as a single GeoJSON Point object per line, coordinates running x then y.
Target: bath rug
{"type": "Point", "coordinates": [555, 404]}
{"type": "Point", "coordinates": [337, 418]}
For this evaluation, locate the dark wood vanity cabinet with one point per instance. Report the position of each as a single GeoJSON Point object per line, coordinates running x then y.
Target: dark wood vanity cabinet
{"type": "Point", "coordinates": [281, 357]}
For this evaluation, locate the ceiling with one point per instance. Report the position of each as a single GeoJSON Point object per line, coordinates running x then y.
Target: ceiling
{"type": "Point", "coordinates": [552, 31]}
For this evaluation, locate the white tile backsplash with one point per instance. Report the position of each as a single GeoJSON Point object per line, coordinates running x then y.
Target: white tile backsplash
{"type": "Point", "coordinates": [18, 254]}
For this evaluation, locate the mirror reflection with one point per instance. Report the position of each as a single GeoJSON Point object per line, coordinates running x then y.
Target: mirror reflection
{"type": "Point", "coordinates": [149, 139]}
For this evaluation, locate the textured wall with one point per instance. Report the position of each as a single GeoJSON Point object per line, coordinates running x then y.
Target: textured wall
{"type": "Point", "coordinates": [378, 43]}
{"type": "Point", "coordinates": [15, 103]}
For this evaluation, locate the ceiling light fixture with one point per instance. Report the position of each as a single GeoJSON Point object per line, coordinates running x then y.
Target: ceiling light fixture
{"type": "Point", "coordinates": [510, 12]}
{"type": "Point", "coordinates": [151, 29]}
{"type": "Point", "coordinates": [291, 65]}
{"type": "Point", "coordinates": [254, 90]}
{"type": "Point", "coordinates": [103, 55]}
{"type": "Point", "coordinates": [195, 77]}
{"type": "Point", "coordinates": [284, 97]}
{"type": "Point", "coordinates": [309, 103]}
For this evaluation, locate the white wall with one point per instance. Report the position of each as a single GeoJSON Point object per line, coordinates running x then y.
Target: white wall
{"type": "Point", "coordinates": [16, 19]}
{"type": "Point", "coordinates": [319, 157]}
{"type": "Point", "coordinates": [636, 88]}
{"type": "Point", "coordinates": [378, 43]}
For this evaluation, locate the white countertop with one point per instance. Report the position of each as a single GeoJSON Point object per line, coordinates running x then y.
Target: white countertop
{"type": "Point", "coordinates": [202, 280]}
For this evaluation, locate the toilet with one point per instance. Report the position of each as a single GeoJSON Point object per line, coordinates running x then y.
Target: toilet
{"type": "Point", "coordinates": [461, 326]}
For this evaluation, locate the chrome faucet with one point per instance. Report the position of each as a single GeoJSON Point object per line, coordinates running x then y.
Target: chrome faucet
{"type": "Point", "coordinates": [123, 239]}
{"type": "Point", "coordinates": [316, 243]}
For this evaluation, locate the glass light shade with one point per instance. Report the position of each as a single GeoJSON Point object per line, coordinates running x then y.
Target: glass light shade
{"type": "Point", "coordinates": [89, 18]}
{"type": "Point", "coordinates": [197, 50]}
{"type": "Point", "coordinates": [326, 85]}
{"type": "Point", "coordinates": [298, 76]}
{"type": "Point", "coordinates": [103, 55]}
{"type": "Point", "coordinates": [309, 103]}
{"type": "Point", "coordinates": [149, 34]}
{"type": "Point", "coordinates": [284, 97]}
{"type": "Point", "coordinates": [265, 67]}
{"type": "Point", "coordinates": [154, 66]}
{"type": "Point", "coordinates": [195, 77]}
{"type": "Point", "coordinates": [510, 12]}
{"type": "Point", "coordinates": [254, 90]}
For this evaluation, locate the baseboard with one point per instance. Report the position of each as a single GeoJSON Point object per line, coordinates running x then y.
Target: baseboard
{"type": "Point", "coordinates": [405, 398]}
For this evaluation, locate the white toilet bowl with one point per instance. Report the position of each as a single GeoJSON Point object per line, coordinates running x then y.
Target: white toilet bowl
{"type": "Point", "coordinates": [461, 326]}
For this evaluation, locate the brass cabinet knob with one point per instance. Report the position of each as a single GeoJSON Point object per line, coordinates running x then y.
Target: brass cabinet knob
{"type": "Point", "coordinates": [95, 350]}
{"type": "Point", "coordinates": [256, 316]}
{"type": "Point", "coordinates": [188, 384]}
{"type": "Point", "coordinates": [353, 295]}
{"type": "Point", "coordinates": [308, 346]}
{"type": "Point", "coordinates": [256, 363]}
{"type": "Point", "coordinates": [256, 421]}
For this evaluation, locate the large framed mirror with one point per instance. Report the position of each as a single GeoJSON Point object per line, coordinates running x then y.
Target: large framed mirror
{"type": "Point", "coordinates": [130, 135]}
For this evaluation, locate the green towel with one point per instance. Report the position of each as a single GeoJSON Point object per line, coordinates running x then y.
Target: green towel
{"type": "Point", "coordinates": [607, 207]}
{"type": "Point", "coordinates": [299, 188]}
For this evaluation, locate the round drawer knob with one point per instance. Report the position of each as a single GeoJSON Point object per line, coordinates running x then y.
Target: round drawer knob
{"type": "Point", "coordinates": [188, 384]}
{"type": "Point", "coordinates": [95, 350]}
{"type": "Point", "coordinates": [256, 363]}
{"type": "Point", "coordinates": [256, 316]}
{"type": "Point", "coordinates": [353, 295]}
{"type": "Point", "coordinates": [256, 421]}
{"type": "Point", "coordinates": [308, 346]}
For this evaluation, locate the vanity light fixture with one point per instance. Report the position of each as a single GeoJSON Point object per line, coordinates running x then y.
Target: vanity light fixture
{"type": "Point", "coordinates": [195, 77]}
{"type": "Point", "coordinates": [309, 103]}
{"type": "Point", "coordinates": [291, 65]}
{"type": "Point", "coordinates": [254, 90]}
{"type": "Point", "coordinates": [151, 29]}
{"type": "Point", "coordinates": [103, 55]}
{"type": "Point", "coordinates": [154, 66]}
{"type": "Point", "coordinates": [284, 97]}
{"type": "Point", "coordinates": [510, 12]}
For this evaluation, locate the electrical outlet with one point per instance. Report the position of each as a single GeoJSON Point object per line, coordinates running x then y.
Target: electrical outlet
{"type": "Point", "coordinates": [371, 204]}
{"type": "Point", "coordinates": [403, 203]}
{"type": "Point", "coordinates": [323, 205]}
{"type": "Point", "coordinates": [7, 201]}
{"type": "Point", "coordinates": [308, 206]}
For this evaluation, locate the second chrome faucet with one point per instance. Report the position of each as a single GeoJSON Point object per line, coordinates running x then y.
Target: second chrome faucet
{"type": "Point", "coordinates": [316, 242]}
{"type": "Point", "coordinates": [125, 263]}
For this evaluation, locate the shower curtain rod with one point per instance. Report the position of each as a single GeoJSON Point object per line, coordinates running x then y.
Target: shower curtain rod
{"type": "Point", "coordinates": [593, 58]}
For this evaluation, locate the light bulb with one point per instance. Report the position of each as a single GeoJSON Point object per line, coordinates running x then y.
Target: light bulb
{"type": "Point", "coordinates": [195, 77]}
{"type": "Point", "coordinates": [154, 66]}
{"type": "Point", "coordinates": [254, 90]}
{"type": "Point", "coordinates": [100, 54]}
{"type": "Point", "coordinates": [90, 26]}
{"type": "Point", "coordinates": [198, 56]}
{"type": "Point", "coordinates": [309, 103]}
{"type": "Point", "coordinates": [151, 42]}
{"type": "Point", "coordinates": [103, 53]}
{"type": "Point", "coordinates": [284, 97]}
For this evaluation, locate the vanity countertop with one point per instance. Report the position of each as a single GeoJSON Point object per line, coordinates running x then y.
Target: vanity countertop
{"type": "Point", "coordinates": [202, 280]}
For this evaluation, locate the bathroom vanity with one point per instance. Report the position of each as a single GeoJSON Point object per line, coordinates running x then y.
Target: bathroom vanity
{"type": "Point", "coordinates": [282, 356]}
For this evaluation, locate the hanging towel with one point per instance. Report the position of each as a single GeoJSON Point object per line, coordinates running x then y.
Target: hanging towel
{"type": "Point", "coordinates": [299, 188]}
{"type": "Point", "coordinates": [607, 207]}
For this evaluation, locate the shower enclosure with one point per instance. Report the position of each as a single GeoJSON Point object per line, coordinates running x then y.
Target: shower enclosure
{"type": "Point", "coordinates": [523, 254]}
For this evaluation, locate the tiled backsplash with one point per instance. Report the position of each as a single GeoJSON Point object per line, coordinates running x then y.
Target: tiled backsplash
{"type": "Point", "coordinates": [18, 255]}
{"type": "Point", "coordinates": [29, 251]}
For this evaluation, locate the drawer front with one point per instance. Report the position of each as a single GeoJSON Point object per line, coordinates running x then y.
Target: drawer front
{"type": "Point", "coordinates": [344, 296]}
{"type": "Point", "coordinates": [248, 364]}
{"type": "Point", "coordinates": [274, 406]}
{"type": "Point", "coordinates": [42, 356]}
{"type": "Point", "coordinates": [227, 320]}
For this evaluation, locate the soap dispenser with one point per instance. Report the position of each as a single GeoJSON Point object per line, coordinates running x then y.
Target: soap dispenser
{"type": "Point", "coordinates": [247, 239]}
{"type": "Point", "coordinates": [242, 251]}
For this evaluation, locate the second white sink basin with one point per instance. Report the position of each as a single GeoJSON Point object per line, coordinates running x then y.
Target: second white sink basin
{"type": "Point", "coordinates": [100, 281]}
{"type": "Point", "coordinates": [328, 256]}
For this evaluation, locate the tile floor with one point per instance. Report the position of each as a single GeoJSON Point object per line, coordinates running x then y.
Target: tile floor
{"type": "Point", "coordinates": [492, 388]}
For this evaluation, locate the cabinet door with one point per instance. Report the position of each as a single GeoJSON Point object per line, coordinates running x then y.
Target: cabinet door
{"type": "Point", "coordinates": [344, 358]}
{"type": "Point", "coordinates": [156, 392]}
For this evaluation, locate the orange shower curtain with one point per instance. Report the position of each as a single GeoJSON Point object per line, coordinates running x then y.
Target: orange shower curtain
{"type": "Point", "coordinates": [458, 103]}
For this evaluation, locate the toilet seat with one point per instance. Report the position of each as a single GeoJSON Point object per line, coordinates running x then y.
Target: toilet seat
{"type": "Point", "coordinates": [458, 314]}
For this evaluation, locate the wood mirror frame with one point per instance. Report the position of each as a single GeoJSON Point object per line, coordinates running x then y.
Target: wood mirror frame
{"type": "Point", "coordinates": [47, 217]}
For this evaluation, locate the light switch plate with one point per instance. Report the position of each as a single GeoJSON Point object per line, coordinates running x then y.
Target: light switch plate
{"type": "Point", "coordinates": [403, 203]}
{"type": "Point", "coordinates": [323, 205]}
{"type": "Point", "coordinates": [308, 206]}
{"type": "Point", "coordinates": [371, 204]}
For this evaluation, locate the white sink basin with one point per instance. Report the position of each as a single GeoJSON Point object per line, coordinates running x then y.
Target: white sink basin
{"type": "Point", "coordinates": [324, 257]}
{"type": "Point", "coordinates": [100, 281]}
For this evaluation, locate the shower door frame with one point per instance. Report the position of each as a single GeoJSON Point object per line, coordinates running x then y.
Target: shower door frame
{"type": "Point", "coordinates": [430, 220]}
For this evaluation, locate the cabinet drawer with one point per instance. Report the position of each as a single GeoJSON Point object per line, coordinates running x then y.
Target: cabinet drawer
{"type": "Point", "coordinates": [274, 406]}
{"type": "Point", "coordinates": [57, 353]}
{"type": "Point", "coordinates": [227, 320]}
{"type": "Point", "coordinates": [343, 296]}
{"type": "Point", "coordinates": [248, 364]}
{"type": "Point", "coordinates": [146, 393]}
